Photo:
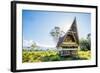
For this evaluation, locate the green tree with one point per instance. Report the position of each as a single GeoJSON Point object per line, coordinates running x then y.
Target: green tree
{"type": "Point", "coordinates": [85, 44]}
{"type": "Point", "coordinates": [33, 46]}
{"type": "Point", "coordinates": [56, 33]}
{"type": "Point", "coordinates": [89, 40]}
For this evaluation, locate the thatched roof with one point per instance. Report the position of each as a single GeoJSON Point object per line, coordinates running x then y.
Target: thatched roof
{"type": "Point", "coordinates": [73, 31]}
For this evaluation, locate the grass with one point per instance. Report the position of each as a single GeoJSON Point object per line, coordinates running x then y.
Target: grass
{"type": "Point", "coordinates": [46, 56]}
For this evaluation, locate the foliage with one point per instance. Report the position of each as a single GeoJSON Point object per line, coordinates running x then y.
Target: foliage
{"type": "Point", "coordinates": [56, 33]}
{"type": "Point", "coordinates": [46, 56]}
{"type": "Point", "coordinates": [89, 40]}
{"type": "Point", "coordinates": [85, 44]}
{"type": "Point", "coordinates": [84, 54]}
{"type": "Point", "coordinates": [33, 46]}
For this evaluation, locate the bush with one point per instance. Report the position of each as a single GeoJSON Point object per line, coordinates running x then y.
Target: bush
{"type": "Point", "coordinates": [46, 56]}
{"type": "Point", "coordinates": [84, 54]}
{"type": "Point", "coordinates": [84, 45]}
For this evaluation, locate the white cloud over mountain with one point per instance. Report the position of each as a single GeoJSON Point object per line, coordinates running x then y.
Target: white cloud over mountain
{"type": "Point", "coordinates": [28, 43]}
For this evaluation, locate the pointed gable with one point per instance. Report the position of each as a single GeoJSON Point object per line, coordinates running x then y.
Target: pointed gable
{"type": "Point", "coordinates": [70, 36]}
{"type": "Point", "coordinates": [74, 30]}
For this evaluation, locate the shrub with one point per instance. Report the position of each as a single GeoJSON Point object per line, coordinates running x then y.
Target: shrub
{"type": "Point", "coordinates": [46, 56]}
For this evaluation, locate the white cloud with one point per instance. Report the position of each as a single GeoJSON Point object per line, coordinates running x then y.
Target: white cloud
{"type": "Point", "coordinates": [45, 45]}
{"type": "Point", "coordinates": [27, 43]}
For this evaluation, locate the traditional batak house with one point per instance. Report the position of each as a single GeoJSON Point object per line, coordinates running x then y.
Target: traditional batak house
{"type": "Point", "coordinates": [69, 43]}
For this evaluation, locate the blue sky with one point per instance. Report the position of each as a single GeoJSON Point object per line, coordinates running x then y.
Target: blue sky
{"type": "Point", "coordinates": [37, 25]}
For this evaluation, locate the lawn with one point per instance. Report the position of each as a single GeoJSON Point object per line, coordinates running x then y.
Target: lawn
{"type": "Point", "coordinates": [46, 56]}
